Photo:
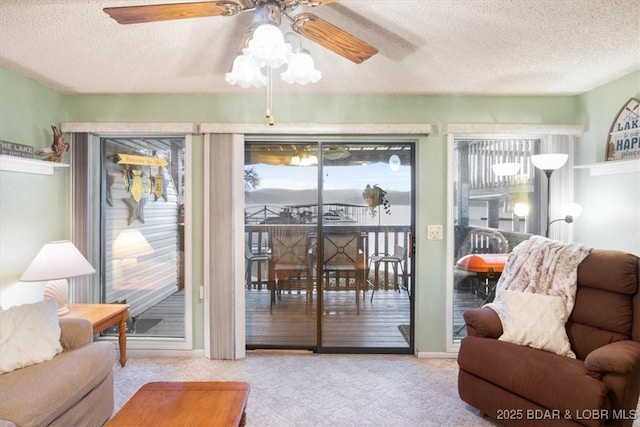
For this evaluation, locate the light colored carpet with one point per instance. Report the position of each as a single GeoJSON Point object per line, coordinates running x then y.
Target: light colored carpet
{"type": "Point", "coordinates": [318, 390]}
{"type": "Point", "coordinates": [322, 390]}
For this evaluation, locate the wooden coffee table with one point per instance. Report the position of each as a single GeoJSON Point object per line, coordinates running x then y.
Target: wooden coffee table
{"type": "Point", "coordinates": [173, 404]}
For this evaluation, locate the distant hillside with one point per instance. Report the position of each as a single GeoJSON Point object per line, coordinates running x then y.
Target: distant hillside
{"type": "Point", "coordinates": [296, 197]}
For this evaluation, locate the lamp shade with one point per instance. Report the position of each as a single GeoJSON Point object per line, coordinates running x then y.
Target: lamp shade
{"type": "Point", "coordinates": [57, 260]}
{"type": "Point", "coordinates": [573, 210]}
{"type": "Point", "coordinates": [267, 47]}
{"type": "Point", "coordinates": [505, 169]}
{"type": "Point", "coordinates": [547, 162]}
{"type": "Point", "coordinates": [245, 73]}
{"type": "Point", "coordinates": [130, 243]}
{"type": "Point", "coordinates": [521, 210]}
{"type": "Point", "coordinates": [301, 69]}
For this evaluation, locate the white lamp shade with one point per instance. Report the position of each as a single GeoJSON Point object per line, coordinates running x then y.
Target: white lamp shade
{"type": "Point", "coordinates": [521, 209]}
{"type": "Point", "coordinates": [394, 163]}
{"type": "Point", "coordinates": [573, 210]}
{"type": "Point", "coordinates": [57, 260]}
{"type": "Point", "coordinates": [245, 73]}
{"type": "Point", "coordinates": [130, 243]}
{"type": "Point", "coordinates": [547, 162]}
{"type": "Point", "coordinates": [505, 169]}
{"type": "Point", "coordinates": [267, 47]}
{"type": "Point", "coordinates": [301, 69]}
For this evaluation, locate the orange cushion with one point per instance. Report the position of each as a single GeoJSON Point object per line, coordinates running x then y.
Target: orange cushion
{"type": "Point", "coordinates": [483, 263]}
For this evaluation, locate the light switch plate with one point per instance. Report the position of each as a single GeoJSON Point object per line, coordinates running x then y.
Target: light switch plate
{"type": "Point", "coordinates": [434, 232]}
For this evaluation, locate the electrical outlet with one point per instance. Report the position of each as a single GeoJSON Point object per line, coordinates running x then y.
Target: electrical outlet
{"type": "Point", "coordinates": [434, 232]}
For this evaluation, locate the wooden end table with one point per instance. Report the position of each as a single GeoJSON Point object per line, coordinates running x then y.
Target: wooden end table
{"type": "Point", "coordinates": [103, 316]}
{"type": "Point", "coordinates": [170, 404]}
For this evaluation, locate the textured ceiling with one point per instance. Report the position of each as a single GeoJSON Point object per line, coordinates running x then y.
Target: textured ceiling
{"type": "Point", "coordinates": [497, 47]}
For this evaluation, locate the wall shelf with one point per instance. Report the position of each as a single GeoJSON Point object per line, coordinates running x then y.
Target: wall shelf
{"type": "Point", "coordinates": [19, 164]}
{"type": "Point", "coordinates": [612, 167]}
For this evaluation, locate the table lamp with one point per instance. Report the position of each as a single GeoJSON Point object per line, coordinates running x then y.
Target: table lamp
{"type": "Point", "coordinates": [129, 245]}
{"type": "Point", "coordinates": [127, 248]}
{"type": "Point", "coordinates": [548, 163]}
{"type": "Point", "coordinates": [56, 262]}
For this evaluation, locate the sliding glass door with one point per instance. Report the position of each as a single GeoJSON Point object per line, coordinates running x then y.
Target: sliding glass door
{"type": "Point", "coordinates": [328, 226]}
{"type": "Point", "coordinates": [366, 236]}
{"type": "Point", "coordinates": [279, 247]}
{"type": "Point", "coordinates": [142, 232]}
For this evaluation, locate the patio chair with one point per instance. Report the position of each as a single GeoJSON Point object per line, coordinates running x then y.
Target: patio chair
{"type": "Point", "coordinates": [397, 259]}
{"type": "Point", "coordinates": [343, 260]}
{"type": "Point", "coordinates": [290, 264]}
{"type": "Point", "coordinates": [250, 258]}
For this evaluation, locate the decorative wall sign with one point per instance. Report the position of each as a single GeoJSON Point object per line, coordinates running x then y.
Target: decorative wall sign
{"type": "Point", "coordinates": [137, 188]}
{"type": "Point", "coordinates": [17, 150]}
{"type": "Point", "coordinates": [131, 159]}
{"type": "Point", "coordinates": [624, 134]}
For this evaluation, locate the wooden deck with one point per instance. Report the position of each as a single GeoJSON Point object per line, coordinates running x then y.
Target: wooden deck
{"type": "Point", "coordinates": [292, 321]}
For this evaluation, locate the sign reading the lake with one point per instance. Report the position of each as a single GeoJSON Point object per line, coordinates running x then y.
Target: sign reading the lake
{"type": "Point", "coordinates": [624, 134]}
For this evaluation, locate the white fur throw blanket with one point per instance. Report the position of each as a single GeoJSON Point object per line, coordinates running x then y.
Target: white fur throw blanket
{"type": "Point", "coordinates": [542, 266]}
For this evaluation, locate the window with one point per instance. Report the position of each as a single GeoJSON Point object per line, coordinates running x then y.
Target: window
{"type": "Point", "coordinates": [497, 199]}
{"type": "Point", "coordinates": [112, 177]}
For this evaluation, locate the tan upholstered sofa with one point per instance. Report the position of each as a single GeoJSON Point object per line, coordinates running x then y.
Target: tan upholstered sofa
{"type": "Point", "coordinates": [520, 385]}
{"type": "Point", "coordinates": [75, 388]}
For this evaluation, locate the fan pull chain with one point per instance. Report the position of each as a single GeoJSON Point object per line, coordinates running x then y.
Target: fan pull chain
{"type": "Point", "coordinates": [268, 114]}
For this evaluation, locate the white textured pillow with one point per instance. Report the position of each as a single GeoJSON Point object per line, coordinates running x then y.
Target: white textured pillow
{"type": "Point", "coordinates": [535, 320]}
{"type": "Point", "coordinates": [29, 334]}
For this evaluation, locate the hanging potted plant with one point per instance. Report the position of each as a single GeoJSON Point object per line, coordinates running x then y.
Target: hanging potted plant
{"type": "Point", "coordinates": [376, 196]}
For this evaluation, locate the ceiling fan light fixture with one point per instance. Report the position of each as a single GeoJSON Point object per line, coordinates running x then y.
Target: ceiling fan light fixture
{"type": "Point", "coordinates": [301, 69]}
{"type": "Point", "coordinates": [245, 73]}
{"type": "Point", "coordinates": [267, 47]}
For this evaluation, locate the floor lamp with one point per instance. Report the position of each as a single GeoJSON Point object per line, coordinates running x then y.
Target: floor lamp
{"type": "Point", "coordinates": [568, 212]}
{"type": "Point", "coordinates": [548, 163]}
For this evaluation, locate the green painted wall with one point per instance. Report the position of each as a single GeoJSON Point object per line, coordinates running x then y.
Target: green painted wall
{"type": "Point", "coordinates": [431, 164]}
{"type": "Point", "coordinates": [287, 108]}
{"type": "Point", "coordinates": [611, 218]}
{"type": "Point", "coordinates": [33, 208]}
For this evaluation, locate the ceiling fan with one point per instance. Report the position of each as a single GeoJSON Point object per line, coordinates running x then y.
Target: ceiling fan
{"type": "Point", "coordinates": [306, 24]}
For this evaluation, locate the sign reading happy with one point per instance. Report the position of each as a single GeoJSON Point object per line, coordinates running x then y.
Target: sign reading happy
{"type": "Point", "coordinates": [624, 134]}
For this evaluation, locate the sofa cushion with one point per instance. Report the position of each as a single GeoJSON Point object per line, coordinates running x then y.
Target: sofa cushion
{"type": "Point", "coordinates": [612, 271]}
{"type": "Point", "coordinates": [55, 385]}
{"type": "Point", "coordinates": [29, 334]}
{"type": "Point", "coordinates": [544, 378]}
{"type": "Point", "coordinates": [534, 320]}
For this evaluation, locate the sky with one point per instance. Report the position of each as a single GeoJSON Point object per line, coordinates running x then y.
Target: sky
{"type": "Point", "coordinates": [335, 177]}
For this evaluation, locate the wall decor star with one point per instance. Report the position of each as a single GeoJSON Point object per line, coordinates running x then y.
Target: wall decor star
{"type": "Point", "coordinates": [136, 209]}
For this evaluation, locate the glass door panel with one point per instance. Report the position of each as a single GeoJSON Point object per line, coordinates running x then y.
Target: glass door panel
{"type": "Point", "coordinates": [494, 209]}
{"type": "Point", "coordinates": [366, 228]}
{"type": "Point", "coordinates": [327, 245]}
{"type": "Point", "coordinates": [142, 232]}
{"type": "Point", "coordinates": [281, 193]}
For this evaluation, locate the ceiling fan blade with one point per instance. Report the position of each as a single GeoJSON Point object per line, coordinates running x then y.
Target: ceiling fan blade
{"type": "Point", "coordinates": [167, 12]}
{"type": "Point", "coordinates": [332, 37]}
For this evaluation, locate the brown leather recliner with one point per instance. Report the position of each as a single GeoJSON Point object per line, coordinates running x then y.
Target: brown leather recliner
{"type": "Point", "coordinates": [519, 385]}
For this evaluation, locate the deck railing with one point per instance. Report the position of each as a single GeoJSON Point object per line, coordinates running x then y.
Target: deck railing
{"type": "Point", "coordinates": [482, 154]}
{"type": "Point", "coordinates": [376, 240]}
